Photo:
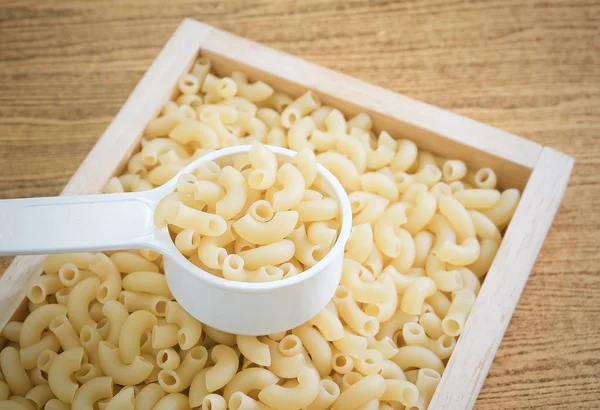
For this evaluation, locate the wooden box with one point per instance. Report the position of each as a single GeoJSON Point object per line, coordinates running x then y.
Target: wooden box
{"type": "Point", "coordinates": [542, 173]}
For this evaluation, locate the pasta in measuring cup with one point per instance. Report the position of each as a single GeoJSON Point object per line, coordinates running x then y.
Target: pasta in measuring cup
{"type": "Point", "coordinates": [239, 208]}
{"type": "Point", "coordinates": [425, 233]}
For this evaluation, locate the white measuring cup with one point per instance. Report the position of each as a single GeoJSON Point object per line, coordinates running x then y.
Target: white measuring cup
{"type": "Point", "coordinates": [125, 221]}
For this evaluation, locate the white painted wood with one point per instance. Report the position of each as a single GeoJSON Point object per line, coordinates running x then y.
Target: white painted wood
{"type": "Point", "coordinates": [504, 283]}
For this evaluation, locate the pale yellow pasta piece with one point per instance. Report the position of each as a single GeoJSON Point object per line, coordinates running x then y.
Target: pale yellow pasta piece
{"type": "Point", "coordinates": [40, 395]}
{"type": "Point", "coordinates": [439, 302]}
{"type": "Point", "coordinates": [351, 344]}
{"type": "Point", "coordinates": [195, 131]}
{"type": "Point", "coordinates": [60, 371]}
{"type": "Point", "coordinates": [55, 404]}
{"type": "Point", "coordinates": [186, 217]}
{"type": "Point", "coordinates": [351, 148]}
{"type": "Point", "coordinates": [390, 370]}
{"type": "Point", "coordinates": [352, 314]}
{"type": "Point", "coordinates": [385, 309]}
{"type": "Point", "coordinates": [156, 147]}
{"type": "Point", "coordinates": [464, 254]}
{"type": "Point", "coordinates": [44, 286]}
{"type": "Point", "coordinates": [263, 233]}
{"type": "Point", "coordinates": [123, 400]}
{"type": "Point", "coordinates": [301, 106]}
{"type": "Point", "coordinates": [125, 374]}
{"type": "Point", "coordinates": [268, 255]}
{"type": "Point", "coordinates": [328, 393]}
{"type": "Point", "coordinates": [360, 242]}
{"type": "Point", "coordinates": [370, 362]}
{"type": "Point", "coordinates": [175, 381]}
{"type": "Point", "coordinates": [241, 401]}
{"type": "Point", "coordinates": [385, 346]}
{"type": "Point", "coordinates": [144, 301]}
{"type": "Point", "coordinates": [485, 178]}
{"type": "Point", "coordinates": [429, 175]}
{"type": "Point", "coordinates": [129, 262]}
{"type": "Point", "coordinates": [236, 193]}
{"type": "Point", "coordinates": [360, 120]}
{"type": "Point", "coordinates": [149, 282]}
{"type": "Point", "coordinates": [342, 363]}
{"type": "Point", "coordinates": [328, 324]}
{"type": "Point", "coordinates": [37, 321]}
{"type": "Point", "coordinates": [414, 335]}
{"type": "Point", "coordinates": [415, 295]}
{"type": "Point", "coordinates": [419, 357]}
{"type": "Point", "coordinates": [37, 377]}
{"type": "Point", "coordinates": [458, 217]}
{"type": "Point", "coordinates": [87, 372]}
{"type": "Point", "coordinates": [147, 398]}
{"type": "Point", "coordinates": [264, 167]}
{"type": "Point", "coordinates": [400, 391]}
{"type": "Point", "coordinates": [223, 87]}
{"type": "Point", "coordinates": [342, 168]}
{"type": "Point", "coordinates": [12, 331]}
{"type": "Point", "coordinates": [319, 115]}
{"type": "Point", "coordinates": [316, 346]}
{"type": "Point", "coordinates": [459, 310]}
{"type": "Point", "coordinates": [108, 273]}
{"type": "Point", "coordinates": [361, 392]}
{"type": "Point", "coordinates": [64, 331]}
{"type": "Point", "coordinates": [52, 263]}
{"type": "Point", "coordinates": [446, 280]}
{"type": "Point", "coordinates": [254, 350]}
{"type": "Point", "coordinates": [70, 275]}
{"type": "Point", "coordinates": [190, 329]}
{"type": "Point", "coordinates": [406, 155]}
{"type": "Point", "coordinates": [363, 292]}
{"type": "Point", "coordinates": [293, 398]}
{"type": "Point", "coordinates": [420, 215]}
{"type": "Point", "coordinates": [248, 380]}
{"type": "Point", "coordinates": [454, 170]}
{"type": "Point", "coordinates": [14, 373]}
{"type": "Point", "coordinates": [30, 354]}
{"type": "Point", "coordinates": [137, 324]}
{"type": "Point", "coordinates": [210, 254]}
{"type": "Point", "coordinates": [168, 359]}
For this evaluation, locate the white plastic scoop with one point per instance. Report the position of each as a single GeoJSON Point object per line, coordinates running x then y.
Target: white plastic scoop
{"type": "Point", "coordinates": [125, 221]}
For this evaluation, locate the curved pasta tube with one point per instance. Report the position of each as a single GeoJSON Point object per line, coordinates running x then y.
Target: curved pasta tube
{"type": "Point", "coordinates": [358, 321]}
{"type": "Point", "coordinates": [464, 254]}
{"type": "Point", "coordinates": [319, 210]}
{"type": "Point", "coordinates": [190, 329]}
{"type": "Point", "coordinates": [369, 363]}
{"type": "Point", "coordinates": [458, 217]}
{"type": "Point", "coordinates": [255, 92]}
{"type": "Point", "coordinates": [363, 292]}
{"type": "Point", "coordinates": [241, 401]}
{"type": "Point", "coordinates": [208, 192]}
{"type": "Point", "coordinates": [442, 230]}
{"type": "Point", "coordinates": [107, 271]}
{"type": "Point", "coordinates": [210, 254]}
{"type": "Point", "coordinates": [454, 321]}
{"type": "Point", "coordinates": [93, 391]}
{"type": "Point", "coordinates": [129, 262]}
{"type": "Point", "coordinates": [384, 310]}
{"type": "Point", "coordinates": [293, 188]}
{"type": "Point", "coordinates": [14, 373]}
{"type": "Point", "coordinates": [406, 258]}
{"type": "Point", "coordinates": [175, 381]}
{"type": "Point", "coordinates": [122, 400]}
{"type": "Point", "coordinates": [485, 178]}
{"type": "Point", "coordinates": [30, 354]}
{"type": "Point", "coordinates": [264, 167]}
{"type": "Point", "coordinates": [489, 249]}
{"type": "Point", "coordinates": [299, 133]}
{"type": "Point", "coordinates": [254, 350]}
{"type": "Point", "coordinates": [478, 198]}
{"type": "Point", "coordinates": [148, 282]}
{"type": "Point", "coordinates": [360, 242]}
{"type": "Point", "coordinates": [64, 331]}
{"type": "Point", "coordinates": [317, 347]}
{"type": "Point", "coordinates": [328, 324]}
{"type": "Point", "coordinates": [401, 391]}
{"type": "Point", "coordinates": [263, 233]}
{"type": "Point", "coordinates": [353, 149]}
{"type": "Point", "coordinates": [136, 325]}
{"type": "Point", "coordinates": [147, 398]}
{"type": "Point", "coordinates": [269, 255]}
{"type": "Point", "coordinates": [414, 335]}
{"type": "Point", "coordinates": [236, 193]}
{"type": "Point", "coordinates": [301, 106]}
{"type": "Point", "coordinates": [405, 157]}
{"type": "Point", "coordinates": [256, 131]}
{"type": "Point", "coordinates": [304, 251]}
{"type": "Point", "coordinates": [60, 371]}
{"type": "Point", "coordinates": [420, 215]}
{"type": "Point", "coordinates": [429, 175]}
{"type": "Point", "coordinates": [198, 390]}
{"type": "Point", "coordinates": [446, 280]}
{"type": "Point", "coordinates": [502, 213]}
{"type": "Point", "coordinates": [419, 357]}
{"type": "Point", "coordinates": [43, 286]}
{"type": "Point", "coordinates": [225, 367]}
{"type": "Point", "coordinates": [351, 344]}
{"type": "Point", "coordinates": [224, 88]}
{"type": "Point", "coordinates": [173, 401]}
{"type": "Point", "coordinates": [195, 131]}
{"type": "Point", "coordinates": [37, 321]}
{"type": "Point", "coordinates": [306, 162]}
{"type": "Point", "coordinates": [233, 269]}
{"type": "Point", "coordinates": [281, 365]}
{"type": "Point", "coordinates": [156, 147]}
{"type": "Point", "coordinates": [485, 228]}
{"type": "Point", "coordinates": [186, 217]}
{"type": "Point", "coordinates": [361, 392]}
{"type": "Point", "coordinates": [40, 395]}
{"type": "Point", "coordinates": [366, 207]}
{"type": "Point", "coordinates": [342, 168]}
{"type": "Point", "coordinates": [330, 126]}
{"type": "Point", "coordinates": [293, 398]}
{"type": "Point", "coordinates": [415, 295]}
{"type": "Point", "coordinates": [125, 374]}
{"type": "Point", "coordinates": [53, 263]}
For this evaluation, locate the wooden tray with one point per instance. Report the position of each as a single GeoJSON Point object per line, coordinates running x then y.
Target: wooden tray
{"type": "Point", "coordinates": [542, 173]}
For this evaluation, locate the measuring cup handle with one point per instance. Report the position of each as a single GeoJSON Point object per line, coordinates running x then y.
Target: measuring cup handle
{"type": "Point", "coordinates": [77, 223]}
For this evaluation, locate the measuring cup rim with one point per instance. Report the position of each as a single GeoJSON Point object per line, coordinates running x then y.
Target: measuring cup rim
{"type": "Point", "coordinates": [247, 287]}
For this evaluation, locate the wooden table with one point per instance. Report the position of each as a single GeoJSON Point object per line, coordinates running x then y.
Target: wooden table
{"type": "Point", "coordinates": [529, 67]}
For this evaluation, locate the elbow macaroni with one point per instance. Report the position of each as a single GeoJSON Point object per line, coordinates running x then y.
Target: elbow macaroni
{"type": "Point", "coordinates": [425, 232]}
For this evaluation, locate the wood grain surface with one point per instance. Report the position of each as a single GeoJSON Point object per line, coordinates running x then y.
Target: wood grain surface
{"type": "Point", "coordinates": [529, 67]}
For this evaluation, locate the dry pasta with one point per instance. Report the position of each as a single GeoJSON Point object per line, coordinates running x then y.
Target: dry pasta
{"type": "Point", "coordinates": [103, 330]}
